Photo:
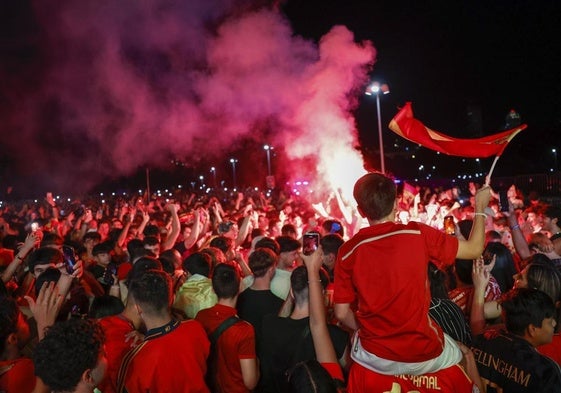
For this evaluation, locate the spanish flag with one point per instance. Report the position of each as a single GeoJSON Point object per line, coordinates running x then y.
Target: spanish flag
{"type": "Point", "coordinates": [405, 125]}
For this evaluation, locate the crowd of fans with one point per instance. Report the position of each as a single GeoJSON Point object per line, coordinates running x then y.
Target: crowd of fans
{"type": "Point", "coordinates": [191, 293]}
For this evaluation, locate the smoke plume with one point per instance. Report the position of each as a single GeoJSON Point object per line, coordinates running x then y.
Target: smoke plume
{"type": "Point", "coordinates": [111, 86]}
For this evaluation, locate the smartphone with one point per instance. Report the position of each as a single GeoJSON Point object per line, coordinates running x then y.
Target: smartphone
{"type": "Point", "coordinates": [34, 227]}
{"type": "Point", "coordinates": [449, 225]}
{"type": "Point", "coordinates": [310, 243]}
{"type": "Point", "coordinates": [110, 271]}
{"type": "Point", "coordinates": [503, 201]}
{"type": "Point", "coordinates": [69, 257]}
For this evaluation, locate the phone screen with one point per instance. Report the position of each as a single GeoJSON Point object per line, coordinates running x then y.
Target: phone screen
{"type": "Point", "coordinates": [449, 225]}
{"type": "Point", "coordinates": [310, 243]}
{"type": "Point", "coordinates": [69, 258]}
{"type": "Point", "coordinates": [503, 201]}
{"type": "Point", "coordinates": [110, 271]}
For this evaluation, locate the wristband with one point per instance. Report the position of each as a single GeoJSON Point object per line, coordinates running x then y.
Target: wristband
{"type": "Point", "coordinates": [480, 214]}
{"type": "Point", "coordinates": [515, 227]}
{"type": "Point", "coordinates": [314, 281]}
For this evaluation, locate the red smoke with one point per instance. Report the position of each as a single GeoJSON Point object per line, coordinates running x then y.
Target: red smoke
{"type": "Point", "coordinates": [132, 83]}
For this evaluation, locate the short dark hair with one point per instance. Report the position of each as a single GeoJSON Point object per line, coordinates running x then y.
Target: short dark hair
{"type": "Point", "coordinates": [299, 283]}
{"type": "Point", "coordinates": [151, 241]}
{"type": "Point", "coordinates": [151, 230]}
{"type": "Point", "coordinates": [288, 229]}
{"type": "Point", "coordinates": [49, 275]}
{"type": "Point", "coordinates": [523, 307]}
{"type": "Point", "coordinates": [375, 194]}
{"type": "Point", "coordinates": [270, 243]}
{"type": "Point", "coordinates": [223, 243]}
{"type": "Point", "coordinates": [330, 243]}
{"type": "Point", "coordinates": [104, 306]}
{"type": "Point", "coordinates": [51, 239]}
{"type": "Point", "coordinates": [153, 291]}
{"type": "Point", "coordinates": [225, 281]}
{"type": "Point", "coordinates": [92, 235]}
{"type": "Point", "coordinates": [68, 349]}
{"type": "Point", "coordinates": [142, 265]}
{"type": "Point", "coordinates": [225, 226]}
{"type": "Point", "coordinates": [261, 260]}
{"type": "Point", "coordinates": [333, 226]}
{"type": "Point", "coordinates": [102, 248]}
{"type": "Point", "coordinates": [216, 255]}
{"type": "Point", "coordinates": [169, 259]}
{"type": "Point", "coordinates": [288, 243]}
{"type": "Point", "coordinates": [133, 245]}
{"type": "Point", "coordinates": [198, 263]}
{"type": "Point", "coordinates": [44, 256]}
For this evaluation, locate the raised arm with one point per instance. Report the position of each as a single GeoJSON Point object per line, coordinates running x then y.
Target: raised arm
{"type": "Point", "coordinates": [473, 247]}
{"type": "Point", "coordinates": [323, 346]}
{"type": "Point", "coordinates": [126, 227]}
{"type": "Point", "coordinates": [480, 275]}
{"type": "Point", "coordinates": [518, 239]}
{"type": "Point", "coordinates": [244, 228]}
{"type": "Point", "coordinates": [175, 227]}
{"type": "Point", "coordinates": [28, 245]}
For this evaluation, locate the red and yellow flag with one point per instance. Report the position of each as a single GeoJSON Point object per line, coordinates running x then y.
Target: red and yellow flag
{"type": "Point", "coordinates": [405, 125]}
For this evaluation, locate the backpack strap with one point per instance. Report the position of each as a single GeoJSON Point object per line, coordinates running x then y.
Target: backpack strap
{"type": "Point", "coordinates": [228, 322]}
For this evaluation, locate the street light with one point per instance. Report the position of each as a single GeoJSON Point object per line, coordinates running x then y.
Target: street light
{"type": "Point", "coordinates": [213, 171]}
{"type": "Point", "coordinates": [554, 151]}
{"type": "Point", "coordinates": [268, 149]}
{"type": "Point", "coordinates": [376, 88]}
{"type": "Point", "coordinates": [233, 161]}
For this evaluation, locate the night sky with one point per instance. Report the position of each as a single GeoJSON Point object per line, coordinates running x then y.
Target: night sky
{"type": "Point", "coordinates": [67, 94]}
{"type": "Point", "coordinates": [452, 57]}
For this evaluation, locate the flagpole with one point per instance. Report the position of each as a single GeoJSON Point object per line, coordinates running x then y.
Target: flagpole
{"type": "Point", "coordinates": [488, 177]}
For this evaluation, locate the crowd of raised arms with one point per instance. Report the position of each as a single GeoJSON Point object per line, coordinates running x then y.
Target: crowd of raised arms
{"type": "Point", "coordinates": [408, 289]}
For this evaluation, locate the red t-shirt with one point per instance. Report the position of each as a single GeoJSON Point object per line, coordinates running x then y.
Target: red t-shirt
{"type": "Point", "coordinates": [17, 376]}
{"type": "Point", "coordinates": [451, 379]}
{"type": "Point", "coordinates": [115, 327]}
{"type": "Point", "coordinates": [384, 267]}
{"type": "Point", "coordinates": [463, 296]}
{"type": "Point", "coordinates": [235, 343]}
{"type": "Point", "coordinates": [172, 358]}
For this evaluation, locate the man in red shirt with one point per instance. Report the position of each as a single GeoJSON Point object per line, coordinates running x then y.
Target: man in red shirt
{"type": "Point", "coordinates": [173, 356]}
{"type": "Point", "coordinates": [236, 362]}
{"type": "Point", "coordinates": [383, 268]}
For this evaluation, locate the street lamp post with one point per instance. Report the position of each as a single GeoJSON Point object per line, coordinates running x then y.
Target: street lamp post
{"type": "Point", "coordinates": [554, 151]}
{"type": "Point", "coordinates": [376, 88]}
{"type": "Point", "coordinates": [233, 161]}
{"type": "Point", "coordinates": [268, 149]}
